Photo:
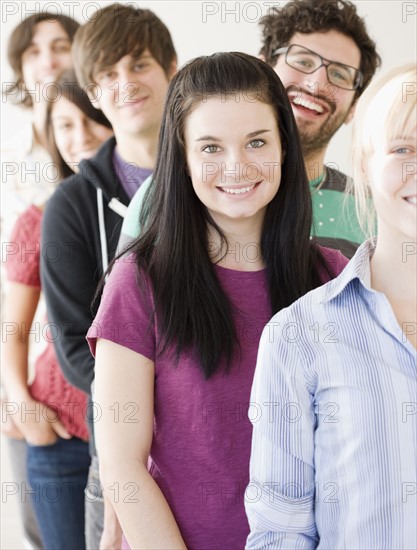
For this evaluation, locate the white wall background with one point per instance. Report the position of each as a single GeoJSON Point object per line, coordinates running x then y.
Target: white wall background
{"type": "Point", "coordinates": [203, 27]}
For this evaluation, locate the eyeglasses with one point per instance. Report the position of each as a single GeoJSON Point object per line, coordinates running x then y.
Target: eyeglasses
{"type": "Point", "coordinates": [307, 61]}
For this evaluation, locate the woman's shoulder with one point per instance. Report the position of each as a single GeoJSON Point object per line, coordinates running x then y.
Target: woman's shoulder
{"type": "Point", "coordinates": [32, 215]}
{"type": "Point", "coordinates": [28, 224]}
{"type": "Point", "coordinates": [127, 280]}
{"type": "Point", "coordinates": [23, 255]}
{"type": "Point", "coordinates": [126, 309]}
{"type": "Point", "coordinates": [124, 270]}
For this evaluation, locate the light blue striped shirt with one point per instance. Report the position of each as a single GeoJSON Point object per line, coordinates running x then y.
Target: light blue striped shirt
{"type": "Point", "coordinates": [334, 414]}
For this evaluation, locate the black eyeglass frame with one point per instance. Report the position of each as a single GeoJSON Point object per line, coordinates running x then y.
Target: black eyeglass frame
{"type": "Point", "coordinates": [324, 62]}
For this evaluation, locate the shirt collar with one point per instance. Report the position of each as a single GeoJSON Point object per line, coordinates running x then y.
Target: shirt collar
{"type": "Point", "coordinates": [359, 267]}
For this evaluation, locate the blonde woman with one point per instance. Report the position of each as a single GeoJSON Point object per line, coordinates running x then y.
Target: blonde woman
{"type": "Point", "coordinates": [333, 464]}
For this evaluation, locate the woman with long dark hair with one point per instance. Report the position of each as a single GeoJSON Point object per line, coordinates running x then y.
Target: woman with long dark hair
{"type": "Point", "coordinates": [54, 425]}
{"type": "Point", "coordinates": [225, 243]}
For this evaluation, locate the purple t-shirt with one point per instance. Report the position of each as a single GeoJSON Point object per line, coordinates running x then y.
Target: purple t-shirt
{"type": "Point", "coordinates": [131, 175]}
{"type": "Point", "coordinates": [202, 435]}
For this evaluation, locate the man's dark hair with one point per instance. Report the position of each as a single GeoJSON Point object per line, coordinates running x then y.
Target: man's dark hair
{"type": "Point", "coordinates": [118, 30]}
{"type": "Point", "coordinates": [309, 16]}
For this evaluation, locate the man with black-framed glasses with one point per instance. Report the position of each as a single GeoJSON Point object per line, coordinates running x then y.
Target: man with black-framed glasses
{"type": "Point", "coordinates": [306, 61]}
{"type": "Point", "coordinates": [321, 51]}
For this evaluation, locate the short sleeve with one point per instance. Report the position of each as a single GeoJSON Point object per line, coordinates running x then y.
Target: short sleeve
{"type": "Point", "coordinates": [126, 312]}
{"type": "Point", "coordinates": [22, 252]}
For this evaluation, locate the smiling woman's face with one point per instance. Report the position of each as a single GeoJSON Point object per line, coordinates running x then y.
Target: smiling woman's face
{"type": "Point", "coordinates": [391, 173]}
{"type": "Point", "coordinates": [76, 135]}
{"type": "Point", "coordinates": [234, 155]}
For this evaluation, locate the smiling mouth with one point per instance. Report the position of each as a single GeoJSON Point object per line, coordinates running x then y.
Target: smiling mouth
{"type": "Point", "coordinates": [132, 102]}
{"type": "Point", "coordinates": [238, 190]}
{"type": "Point", "coordinates": [303, 102]}
{"type": "Point", "coordinates": [311, 104]}
{"type": "Point", "coordinates": [411, 200]}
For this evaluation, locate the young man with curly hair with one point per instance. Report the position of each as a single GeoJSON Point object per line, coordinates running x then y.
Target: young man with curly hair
{"type": "Point", "coordinates": [325, 58]}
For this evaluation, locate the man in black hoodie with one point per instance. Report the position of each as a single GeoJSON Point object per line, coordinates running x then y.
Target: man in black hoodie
{"type": "Point", "coordinates": [124, 58]}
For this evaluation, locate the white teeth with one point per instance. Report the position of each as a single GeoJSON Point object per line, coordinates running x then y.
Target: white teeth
{"type": "Point", "coordinates": [308, 104]}
{"type": "Point", "coordinates": [412, 200]}
{"type": "Point", "coordinates": [238, 191]}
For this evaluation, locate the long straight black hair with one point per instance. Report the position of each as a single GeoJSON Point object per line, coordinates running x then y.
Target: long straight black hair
{"type": "Point", "coordinates": [192, 309]}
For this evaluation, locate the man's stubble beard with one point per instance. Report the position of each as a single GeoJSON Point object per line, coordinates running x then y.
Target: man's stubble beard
{"type": "Point", "coordinates": [313, 141]}
{"type": "Point", "coordinates": [317, 139]}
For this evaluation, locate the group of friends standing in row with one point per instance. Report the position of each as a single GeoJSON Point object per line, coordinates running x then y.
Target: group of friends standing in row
{"type": "Point", "coordinates": [196, 234]}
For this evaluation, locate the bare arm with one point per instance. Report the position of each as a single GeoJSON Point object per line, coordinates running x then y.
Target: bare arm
{"type": "Point", "coordinates": [20, 306]}
{"type": "Point", "coordinates": [123, 448]}
{"type": "Point", "coordinates": [111, 538]}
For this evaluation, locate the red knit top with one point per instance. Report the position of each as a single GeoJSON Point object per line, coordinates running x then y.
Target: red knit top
{"type": "Point", "coordinates": [49, 385]}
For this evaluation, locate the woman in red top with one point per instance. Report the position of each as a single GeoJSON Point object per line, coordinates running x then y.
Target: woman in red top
{"type": "Point", "coordinates": [50, 412]}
